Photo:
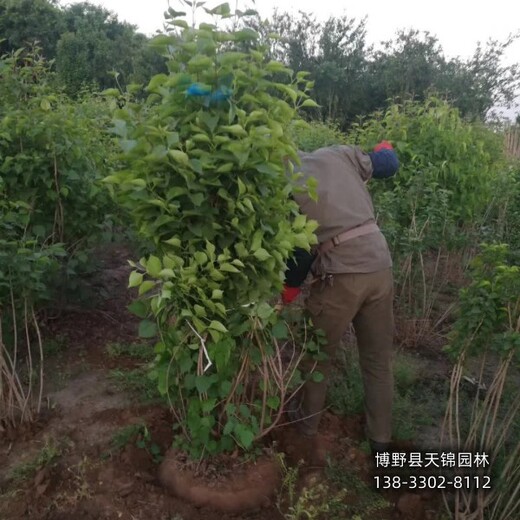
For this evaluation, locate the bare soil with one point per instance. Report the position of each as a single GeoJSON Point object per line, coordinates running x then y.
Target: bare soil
{"type": "Point", "coordinates": [90, 476]}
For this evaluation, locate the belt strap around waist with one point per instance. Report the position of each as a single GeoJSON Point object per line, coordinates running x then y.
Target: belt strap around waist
{"type": "Point", "coordinates": [359, 231]}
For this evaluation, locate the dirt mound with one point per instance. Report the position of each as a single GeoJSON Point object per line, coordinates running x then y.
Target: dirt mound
{"type": "Point", "coordinates": [245, 487]}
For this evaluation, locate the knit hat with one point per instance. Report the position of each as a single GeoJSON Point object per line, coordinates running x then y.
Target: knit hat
{"type": "Point", "coordinates": [384, 162]}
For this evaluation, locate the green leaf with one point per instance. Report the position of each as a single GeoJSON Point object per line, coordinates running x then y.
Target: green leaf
{"type": "Point", "coordinates": [237, 130]}
{"type": "Point", "coordinates": [139, 308]}
{"type": "Point", "coordinates": [273, 402]}
{"type": "Point", "coordinates": [261, 254]}
{"type": "Point", "coordinates": [264, 310]}
{"type": "Point", "coordinates": [257, 240]}
{"type": "Point", "coordinates": [217, 294]}
{"type": "Point", "coordinates": [216, 325]}
{"type": "Point", "coordinates": [173, 242]}
{"type": "Point", "coordinates": [202, 383]}
{"type": "Point", "coordinates": [153, 266]}
{"type": "Point", "coordinates": [245, 436]}
{"type": "Point", "coordinates": [245, 35]}
{"type": "Point", "coordinates": [221, 10]}
{"type": "Point", "coordinates": [209, 405]}
{"type": "Point", "coordinates": [199, 62]}
{"type": "Point", "coordinates": [147, 329]}
{"type": "Point", "coordinates": [135, 279]}
{"type": "Point", "coordinates": [230, 425]}
{"type": "Point", "coordinates": [209, 120]}
{"type": "Point", "coordinates": [179, 156]}
{"type": "Point", "coordinates": [241, 187]}
{"type": "Point", "coordinates": [310, 103]}
{"type": "Point", "coordinates": [167, 273]}
{"type": "Point", "coordinates": [228, 268]}
{"type": "Point", "coordinates": [199, 310]}
{"type": "Point", "coordinates": [299, 222]}
{"type": "Point", "coordinates": [180, 23]}
{"type": "Point", "coordinates": [280, 330]}
{"type": "Point", "coordinates": [244, 411]}
{"type": "Point", "coordinates": [146, 286]}
{"type": "Point", "coordinates": [317, 377]}
{"type": "Point", "coordinates": [157, 81]}
{"type": "Point", "coordinates": [197, 199]}
{"type": "Point", "coordinates": [172, 13]}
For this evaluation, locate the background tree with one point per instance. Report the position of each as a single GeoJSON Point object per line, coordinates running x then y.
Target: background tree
{"type": "Point", "coordinates": [24, 22]}
{"type": "Point", "coordinates": [353, 80]}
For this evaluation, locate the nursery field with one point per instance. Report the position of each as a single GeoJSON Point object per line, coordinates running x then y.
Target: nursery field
{"type": "Point", "coordinates": [146, 360]}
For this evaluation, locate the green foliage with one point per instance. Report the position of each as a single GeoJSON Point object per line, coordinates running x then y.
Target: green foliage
{"type": "Point", "coordinates": [136, 350]}
{"type": "Point", "coordinates": [205, 181]}
{"type": "Point", "coordinates": [25, 22]}
{"type": "Point", "coordinates": [487, 330]}
{"type": "Point", "coordinates": [314, 135]}
{"type": "Point", "coordinates": [359, 498]}
{"type": "Point", "coordinates": [95, 44]}
{"type": "Point", "coordinates": [136, 382]}
{"type": "Point", "coordinates": [415, 402]}
{"type": "Point", "coordinates": [437, 151]}
{"type": "Point", "coordinates": [352, 79]}
{"type": "Point", "coordinates": [53, 153]}
{"type": "Point", "coordinates": [139, 435]}
{"type": "Point", "coordinates": [52, 207]}
{"type": "Point", "coordinates": [489, 314]}
{"type": "Point", "coordinates": [309, 503]}
{"type": "Point", "coordinates": [86, 42]}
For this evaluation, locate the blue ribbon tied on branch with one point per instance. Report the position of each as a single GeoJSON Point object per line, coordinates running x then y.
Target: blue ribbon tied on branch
{"type": "Point", "coordinates": [208, 95]}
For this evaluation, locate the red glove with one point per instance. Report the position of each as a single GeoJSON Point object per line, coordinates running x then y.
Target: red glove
{"type": "Point", "coordinates": [383, 145]}
{"type": "Point", "coordinates": [289, 294]}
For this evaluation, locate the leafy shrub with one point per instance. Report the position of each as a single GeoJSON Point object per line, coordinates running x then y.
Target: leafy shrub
{"type": "Point", "coordinates": [51, 205]}
{"type": "Point", "coordinates": [54, 154]}
{"type": "Point", "coordinates": [438, 149]}
{"type": "Point", "coordinates": [205, 182]}
{"type": "Point", "coordinates": [488, 330]}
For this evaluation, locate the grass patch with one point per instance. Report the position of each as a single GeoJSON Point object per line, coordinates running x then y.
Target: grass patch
{"type": "Point", "coordinates": [54, 346]}
{"type": "Point", "coordinates": [140, 351]}
{"type": "Point", "coordinates": [137, 383]}
{"type": "Point", "coordinates": [418, 400]}
{"type": "Point", "coordinates": [360, 500]}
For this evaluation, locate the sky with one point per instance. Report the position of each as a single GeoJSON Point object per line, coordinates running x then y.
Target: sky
{"type": "Point", "coordinates": [458, 24]}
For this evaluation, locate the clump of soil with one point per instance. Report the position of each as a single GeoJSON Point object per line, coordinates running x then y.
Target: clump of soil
{"type": "Point", "coordinates": [226, 484]}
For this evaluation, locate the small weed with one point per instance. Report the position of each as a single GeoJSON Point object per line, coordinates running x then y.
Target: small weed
{"type": "Point", "coordinates": [54, 346]}
{"type": "Point", "coordinates": [134, 350]}
{"type": "Point", "coordinates": [310, 503]}
{"type": "Point", "coordinates": [136, 382]}
{"type": "Point", "coordinates": [139, 435]}
{"type": "Point", "coordinates": [78, 481]}
{"type": "Point", "coordinates": [360, 500]}
{"type": "Point", "coordinates": [47, 456]}
{"type": "Point", "coordinates": [125, 436]}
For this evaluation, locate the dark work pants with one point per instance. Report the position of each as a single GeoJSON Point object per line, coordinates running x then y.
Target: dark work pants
{"type": "Point", "coordinates": [364, 299]}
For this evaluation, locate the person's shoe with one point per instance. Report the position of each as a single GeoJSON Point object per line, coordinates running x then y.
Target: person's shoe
{"type": "Point", "coordinates": [378, 447]}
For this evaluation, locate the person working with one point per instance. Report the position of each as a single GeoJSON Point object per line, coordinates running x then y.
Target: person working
{"type": "Point", "coordinates": [353, 282]}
